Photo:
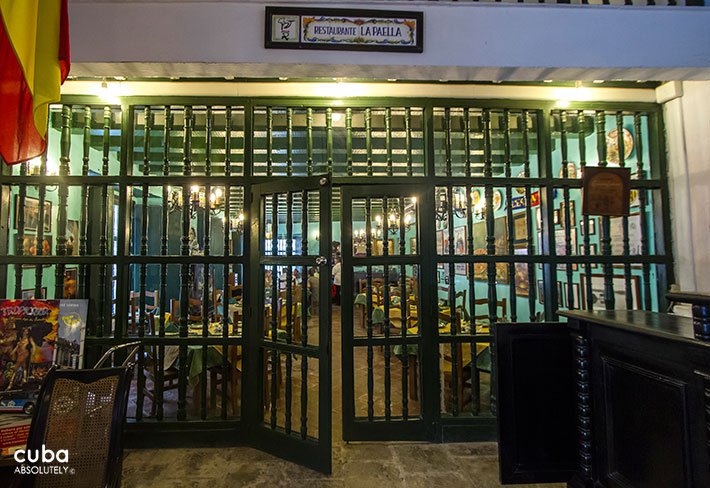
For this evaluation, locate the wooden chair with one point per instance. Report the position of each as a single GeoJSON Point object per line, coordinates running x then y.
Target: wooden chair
{"type": "Point", "coordinates": [463, 373]}
{"type": "Point", "coordinates": [296, 300]}
{"type": "Point", "coordinates": [151, 308]}
{"type": "Point", "coordinates": [67, 417]}
{"type": "Point", "coordinates": [234, 380]}
{"type": "Point", "coordinates": [483, 359]}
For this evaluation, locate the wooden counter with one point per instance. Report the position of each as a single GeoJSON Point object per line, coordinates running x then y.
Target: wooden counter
{"type": "Point", "coordinates": [637, 384]}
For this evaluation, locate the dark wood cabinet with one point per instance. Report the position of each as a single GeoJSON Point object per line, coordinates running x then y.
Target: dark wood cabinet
{"type": "Point", "coordinates": [610, 399]}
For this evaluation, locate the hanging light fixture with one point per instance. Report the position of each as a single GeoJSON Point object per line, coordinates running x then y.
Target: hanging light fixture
{"type": "Point", "coordinates": [198, 200]}
{"type": "Point", "coordinates": [442, 205]}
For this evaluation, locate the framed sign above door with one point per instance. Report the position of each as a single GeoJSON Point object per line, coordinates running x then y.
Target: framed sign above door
{"type": "Point", "coordinates": [344, 29]}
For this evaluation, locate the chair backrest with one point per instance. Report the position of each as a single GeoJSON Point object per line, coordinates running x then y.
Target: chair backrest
{"type": "Point", "coordinates": [462, 295]}
{"type": "Point", "coordinates": [83, 411]}
{"type": "Point", "coordinates": [501, 309]}
{"type": "Point", "coordinates": [195, 310]}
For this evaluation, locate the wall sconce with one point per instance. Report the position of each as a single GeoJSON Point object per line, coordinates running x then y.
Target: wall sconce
{"type": "Point", "coordinates": [237, 223]}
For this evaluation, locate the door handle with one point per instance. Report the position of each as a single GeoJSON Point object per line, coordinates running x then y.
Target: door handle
{"type": "Point", "coordinates": [321, 261]}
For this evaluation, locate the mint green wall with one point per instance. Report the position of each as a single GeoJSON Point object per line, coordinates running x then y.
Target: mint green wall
{"type": "Point", "coordinates": [73, 203]}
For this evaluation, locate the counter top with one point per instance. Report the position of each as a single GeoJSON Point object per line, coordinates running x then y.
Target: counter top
{"type": "Point", "coordinates": [662, 325]}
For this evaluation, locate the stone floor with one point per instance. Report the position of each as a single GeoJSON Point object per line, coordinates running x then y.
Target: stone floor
{"type": "Point", "coordinates": [368, 465]}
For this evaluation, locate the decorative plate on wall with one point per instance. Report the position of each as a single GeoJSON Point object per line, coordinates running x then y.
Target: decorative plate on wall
{"type": "Point", "coordinates": [497, 199]}
{"type": "Point", "coordinates": [612, 147]}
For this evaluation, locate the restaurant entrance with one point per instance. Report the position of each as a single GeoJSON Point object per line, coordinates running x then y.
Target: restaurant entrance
{"type": "Point", "coordinates": [201, 227]}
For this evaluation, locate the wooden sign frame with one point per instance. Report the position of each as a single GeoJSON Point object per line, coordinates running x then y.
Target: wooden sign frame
{"type": "Point", "coordinates": [350, 33]}
{"type": "Point", "coordinates": [606, 191]}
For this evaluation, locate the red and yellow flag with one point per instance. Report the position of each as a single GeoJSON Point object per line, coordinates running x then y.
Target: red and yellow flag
{"type": "Point", "coordinates": [34, 62]}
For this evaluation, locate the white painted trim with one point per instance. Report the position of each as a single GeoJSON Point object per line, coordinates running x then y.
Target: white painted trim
{"type": "Point", "coordinates": [347, 90]}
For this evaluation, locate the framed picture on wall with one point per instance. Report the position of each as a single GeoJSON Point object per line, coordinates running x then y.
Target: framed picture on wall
{"type": "Point", "coordinates": [540, 292]}
{"type": "Point", "coordinates": [522, 275]}
{"type": "Point", "coordinates": [72, 238]}
{"type": "Point", "coordinates": [520, 228]}
{"type": "Point", "coordinates": [576, 296]}
{"type": "Point", "coordinates": [460, 240]}
{"type": "Point", "coordinates": [440, 242]}
{"type": "Point", "coordinates": [461, 269]}
{"type": "Point", "coordinates": [377, 248]}
{"type": "Point", "coordinates": [619, 284]}
{"type": "Point", "coordinates": [412, 245]}
{"type": "Point", "coordinates": [592, 226]}
{"type": "Point", "coordinates": [29, 294]}
{"type": "Point", "coordinates": [616, 227]}
{"type": "Point", "coordinates": [70, 282]}
{"type": "Point", "coordinates": [29, 246]}
{"type": "Point", "coordinates": [563, 214]}
{"type": "Point", "coordinates": [31, 214]}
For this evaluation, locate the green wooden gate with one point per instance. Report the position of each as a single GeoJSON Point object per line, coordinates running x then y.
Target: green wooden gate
{"type": "Point", "coordinates": [150, 212]}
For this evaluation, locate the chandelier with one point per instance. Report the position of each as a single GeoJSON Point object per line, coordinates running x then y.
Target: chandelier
{"type": "Point", "coordinates": [198, 200]}
{"type": "Point", "coordinates": [458, 204]}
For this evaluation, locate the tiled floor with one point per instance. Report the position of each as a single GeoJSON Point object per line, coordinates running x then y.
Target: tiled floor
{"type": "Point", "coordinates": [370, 465]}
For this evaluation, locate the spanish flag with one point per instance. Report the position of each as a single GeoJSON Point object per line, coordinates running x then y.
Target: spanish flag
{"type": "Point", "coordinates": [34, 62]}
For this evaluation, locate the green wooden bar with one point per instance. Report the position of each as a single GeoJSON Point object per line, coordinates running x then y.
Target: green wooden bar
{"type": "Point", "coordinates": [103, 240]}
{"type": "Point", "coordinates": [585, 219]}
{"type": "Point", "coordinates": [185, 275]}
{"type": "Point", "coordinates": [289, 141]}
{"type": "Point", "coordinates": [19, 247]}
{"type": "Point", "coordinates": [329, 138]}
{"type": "Point", "coordinates": [609, 299]}
{"type": "Point", "coordinates": [566, 205]}
{"type": "Point", "coordinates": [63, 190]}
{"type": "Point", "coordinates": [388, 140]}
{"type": "Point", "coordinates": [289, 308]}
{"type": "Point", "coordinates": [467, 140]}
{"type": "Point", "coordinates": [349, 141]}
{"type": "Point", "coordinates": [368, 140]}
{"type": "Point", "coordinates": [408, 138]}
{"type": "Point", "coordinates": [509, 213]}
{"type": "Point", "coordinates": [309, 141]}
{"type": "Point", "coordinates": [529, 243]}
{"type": "Point", "coordinates": [40, 226]}
{"type": "Point", "coordinates": [447, 140]}
{"type": "Point", "coordinates": [452, 303]}
{"type": "Point", "coordinates": [269, 141]}
{"type": "Point", "coordinates": [369, 309]}
{"type": "Point", "coordinates": [143, 318]}
{"type": "Point", "coordinates": [84, 219]}
{"type": "Point", "coordinates": [643, 202]}
{"type": "Point", "coordinates": [275, 355]}
{"type": "Point", "coordinates": [158, 399]}
{"type": "Point", "coordinates": [386, 304]}
{"type": "Point", "coordinates": [404, 303]}
{"type": "Point", "coordinates": [625, 218]}
{"type": "Point", "coordinates": [304, 313]}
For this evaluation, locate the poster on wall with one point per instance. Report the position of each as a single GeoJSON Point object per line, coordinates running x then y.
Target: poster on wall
{"type": "Point", "coordinates": [71, 331]}
{"type": "Point", "coordinates": [28, 333]}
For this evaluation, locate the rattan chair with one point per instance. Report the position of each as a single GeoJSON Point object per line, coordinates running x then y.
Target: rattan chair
{"type": "Point", "coordinates": [82, 411]}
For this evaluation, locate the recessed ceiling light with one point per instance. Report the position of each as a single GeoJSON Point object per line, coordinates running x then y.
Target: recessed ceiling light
{"type": "Point", "coordinates": [598, 81]}
{"type": "Point", "coordinates": [547, 81]}
{"type": "Point", "coordinates": [283, 78]}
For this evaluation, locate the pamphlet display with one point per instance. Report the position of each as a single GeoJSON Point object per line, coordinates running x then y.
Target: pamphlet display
{"type": "Point", "coordinates": [34, 336]}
